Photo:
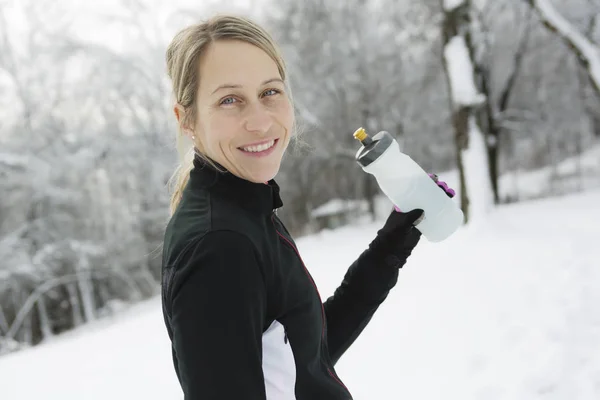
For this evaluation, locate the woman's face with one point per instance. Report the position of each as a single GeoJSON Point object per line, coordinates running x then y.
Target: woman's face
{"type": "Point", "coordinates": [245, 117]}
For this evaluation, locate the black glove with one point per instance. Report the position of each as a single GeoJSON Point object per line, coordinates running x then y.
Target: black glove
{"type": "Point", "coordinates": [396, 240]}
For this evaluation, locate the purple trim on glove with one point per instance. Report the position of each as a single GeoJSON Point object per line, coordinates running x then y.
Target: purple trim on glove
{"type": "Point", "coordinates": [441, 184]}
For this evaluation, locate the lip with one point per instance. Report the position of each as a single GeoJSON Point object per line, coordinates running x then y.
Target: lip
{"type": "Point", "coordinates": [260, 153]}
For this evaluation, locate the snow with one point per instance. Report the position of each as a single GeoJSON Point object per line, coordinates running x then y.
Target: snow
{"type": "Point", "coordinates": [126, 357]}
{"type": "Point", "coordinates": [575, 173]}
{"type": "Point", "coordinates": [460, 71]}
{"type": "Point", "coordinates": [338, 206]}
{"type": "Point", "coordinates": [509, 309]}
{"type": "Point", "coordinates": [450, 5]}
{"type": "Point", "coordinates": [589, 50]}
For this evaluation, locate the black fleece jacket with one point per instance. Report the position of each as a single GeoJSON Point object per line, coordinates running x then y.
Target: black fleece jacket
{"type": "Point", "coordinates": [231, 273]}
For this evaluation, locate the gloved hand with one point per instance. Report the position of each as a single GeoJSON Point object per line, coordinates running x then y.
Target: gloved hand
{"type": "Point", "coordinates": [398, 236]}
{"type": "Point", "coordinates": [396, 239]}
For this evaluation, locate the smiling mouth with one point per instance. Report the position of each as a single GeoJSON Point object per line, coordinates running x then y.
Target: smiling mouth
{"type": "Point", "coordinates": [259, 148]}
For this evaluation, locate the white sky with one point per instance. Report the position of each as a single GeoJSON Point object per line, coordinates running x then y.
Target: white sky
{"type": "Point", "coordinates": [95, 20]}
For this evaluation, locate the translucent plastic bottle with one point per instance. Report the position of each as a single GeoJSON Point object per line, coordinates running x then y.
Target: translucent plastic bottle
{"type": "Point", "coordinates": [407, 185]}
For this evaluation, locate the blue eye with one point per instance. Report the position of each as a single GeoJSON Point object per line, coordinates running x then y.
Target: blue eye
{"type": "Point", "coordinates": [272, 91]}
{"type": "Point", "coordinates": [226, 101]}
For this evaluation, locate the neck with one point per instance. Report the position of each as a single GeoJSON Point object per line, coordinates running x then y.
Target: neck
{"type": "Point", "coordinates": [256, 197]}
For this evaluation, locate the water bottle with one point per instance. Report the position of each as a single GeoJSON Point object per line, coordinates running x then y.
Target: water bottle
{"type": "Point", "coordinates": [407, 185]}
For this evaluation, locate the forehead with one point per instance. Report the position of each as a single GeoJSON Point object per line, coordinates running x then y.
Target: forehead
{"type": "Point", "coordinates": [235, 62]}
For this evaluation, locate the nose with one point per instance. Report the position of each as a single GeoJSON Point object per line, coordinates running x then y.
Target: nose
{"type": "Point", "coordinates": [258, 119]}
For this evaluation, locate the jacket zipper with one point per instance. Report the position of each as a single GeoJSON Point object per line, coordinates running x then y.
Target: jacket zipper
{"type": "Point", "coordinates": [331, 373]}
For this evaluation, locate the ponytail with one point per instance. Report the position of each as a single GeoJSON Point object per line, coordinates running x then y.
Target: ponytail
{"type": "Point", "coordinates": [181, 176]}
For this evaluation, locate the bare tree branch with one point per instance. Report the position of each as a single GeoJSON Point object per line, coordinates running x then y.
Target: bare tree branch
{"type": "Point", "coordinates": [517, 63]}
{"type": "Point", "coordinates": [587, 52]}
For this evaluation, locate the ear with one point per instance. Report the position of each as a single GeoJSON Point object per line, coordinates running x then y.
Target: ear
{"type": "Point", "coordinates": [179, 112]}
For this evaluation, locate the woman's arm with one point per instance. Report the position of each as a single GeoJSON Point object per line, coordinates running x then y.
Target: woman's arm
{"type": "Point", "coordinates": [370, 278]}
{"type": "Point", "coordinates": [217, 306]}
{"type": "Point", "coordinates": [368, 281]}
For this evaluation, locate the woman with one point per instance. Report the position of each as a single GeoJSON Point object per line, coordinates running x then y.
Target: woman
{"type": "Point", "coordinates": [242, 312]}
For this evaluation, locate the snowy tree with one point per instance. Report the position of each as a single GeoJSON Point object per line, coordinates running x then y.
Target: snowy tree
{"type": "Point", "coordinates": [498, 80]}
{"type": "Point", "coordinates": [587, 51]}
{"type": "Point", "coordinates": [468, 105]}
{"type": "Point", "coordinates": [352, 64]}
{"type": "Point", "coordinates": [580, 34]}
{"type": "Point", "coordinates": [83, 170]}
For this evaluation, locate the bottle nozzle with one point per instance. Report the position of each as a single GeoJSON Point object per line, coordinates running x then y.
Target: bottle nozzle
{"type": "Point", "coordinates": [361, 134]}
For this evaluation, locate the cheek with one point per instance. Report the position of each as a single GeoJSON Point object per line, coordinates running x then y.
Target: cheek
{"type": "Point", "coordinates": [219, 130]}
{"type": "Point", "coordinates": [286, 114]}
{"type": "Point", "coordinates": [291, 116]}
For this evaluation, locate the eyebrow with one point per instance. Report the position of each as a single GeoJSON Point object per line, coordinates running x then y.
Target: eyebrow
{"type": "Point", "coordinates": [234, 86]}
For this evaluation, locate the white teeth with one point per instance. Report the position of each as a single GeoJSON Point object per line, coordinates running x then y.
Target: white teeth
{"type": "Point", "coordinates": [262, 147]}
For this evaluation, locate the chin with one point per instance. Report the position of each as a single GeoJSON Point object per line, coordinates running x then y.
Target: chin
{"type": "Point", "coordinates": [264, 175]}
{"type": "Point", "coordinates": [262, 178]}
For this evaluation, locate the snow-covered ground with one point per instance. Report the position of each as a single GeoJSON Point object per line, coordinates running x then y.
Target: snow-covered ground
{"type": "Point", "coordinates": [509, 309]}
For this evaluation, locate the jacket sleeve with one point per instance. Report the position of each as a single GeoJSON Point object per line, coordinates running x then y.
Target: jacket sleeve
{"type": "Point", "coordinates": [218, 304]}
{"type": "Point", "coordinates": [364, 287]}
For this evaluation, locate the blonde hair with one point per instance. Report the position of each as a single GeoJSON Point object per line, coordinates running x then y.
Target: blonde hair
{"type": "Point", "coordinates": [183, 56]}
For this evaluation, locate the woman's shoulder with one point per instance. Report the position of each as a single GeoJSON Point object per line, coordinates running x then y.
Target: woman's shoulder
{"type": "Point", "coordinates": [211, 262]}
{"type": "Point", "coordinates": [204, 224]}
{"type": "Point", "coordinates": [203, 235]}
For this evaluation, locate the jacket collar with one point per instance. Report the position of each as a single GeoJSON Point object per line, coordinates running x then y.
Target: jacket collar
{"type": "Point", "coordinates": [260, 198]}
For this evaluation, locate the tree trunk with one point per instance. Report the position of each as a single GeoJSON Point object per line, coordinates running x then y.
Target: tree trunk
{"type": "Point", "coordinates": [86, 289]}
{"type": "Point", "coordinates": [553, 161]}
{"type": "Point", "coordinates": [460, 122]}
{"type": "Point", "coordinates": [3, 322]}
{"type": "Point", "coordinates": [26, 332]}
{"type": "Point", "coordinates": [468, 104]}
{"type": "Point", "coordinates": [586, 126]}
{"type": "Point", "coordinates": [75, 304]}
{"type": "Point", "coordinates": [596, 126]}
{"type": "Point", "coordinates": [579, 167]}
{"type": "Point", "coordinates": [493, 132]}
{"type": "Point", "coordinates": [103, 292]}
{"type": "Point", "coordinates": [368, 194]}
{"type": "Point", "coordinates": [45, 324]}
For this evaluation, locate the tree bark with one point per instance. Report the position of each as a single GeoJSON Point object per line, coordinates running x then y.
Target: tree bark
{"type": "Point", "coordinates": [45, 324]}
{"type": "Point", "coordinates": [492, 141]}
{"type": "Point", "coordinates": [75, 304]}
{"type": "Point", "coordinates": [3, 322]}
{"type": "Point", "coordinates": [86, 290]}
